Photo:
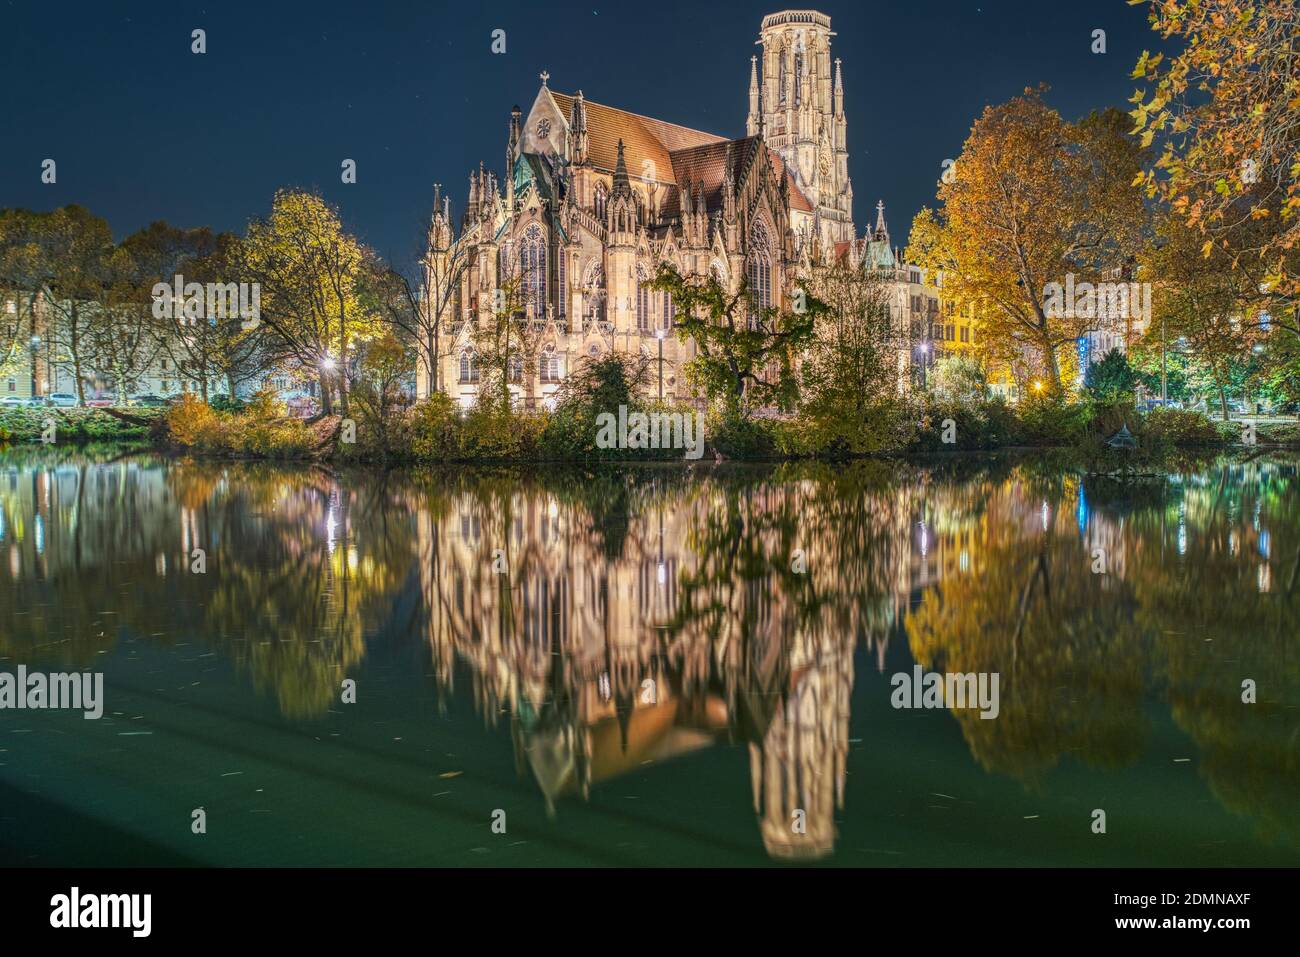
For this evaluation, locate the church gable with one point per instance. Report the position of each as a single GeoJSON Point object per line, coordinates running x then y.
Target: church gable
{"type": "Point", "coordinates": [546, 129]}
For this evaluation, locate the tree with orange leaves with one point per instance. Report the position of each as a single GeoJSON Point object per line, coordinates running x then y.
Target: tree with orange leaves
{"type": "Point", "coordinates": [1226, 110]}
{"type": "Point", "coordinates": [1033, 199]}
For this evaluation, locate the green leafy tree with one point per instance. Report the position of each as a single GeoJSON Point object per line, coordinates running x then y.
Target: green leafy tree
{"type": "Point", "coordinates": [745, 356]}
{"type": "Point", "coordinates": [1112, 378]}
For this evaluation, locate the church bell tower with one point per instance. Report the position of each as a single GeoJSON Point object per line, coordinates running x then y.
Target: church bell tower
{"type": "Point", "coordinates": [798, 106]}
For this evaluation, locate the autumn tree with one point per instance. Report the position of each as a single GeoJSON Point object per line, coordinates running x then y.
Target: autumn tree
{"type": "Point", "coordinates": [1225, 108]}
{"type": "Point", "coordinates": [123, 337]}
{"type": "Point", "coordinates": [745, 354]}
{"type": "Point", "coordinates": [1203, 302]}
{"type": "Point", "coordinates": [230, 346]}
{"type": "Point", "coordinates": [64, 256]}
{"type": "Point", "coordinates": [1033, 199]}
{"type": "Point", "coordinates": [161, 253]}
{"type": "Point", "coordinates": [310, 271]}
{"type": "Point", "coordinates": [19, 284]}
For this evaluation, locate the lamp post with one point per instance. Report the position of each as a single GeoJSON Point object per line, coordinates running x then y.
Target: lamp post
{"type": "Point", "coordinates": [659, 334]}
{"type": "Point", "coordinates": [36, 349]}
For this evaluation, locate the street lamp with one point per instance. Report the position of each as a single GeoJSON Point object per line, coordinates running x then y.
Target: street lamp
{"type": "Point", "coordinates": [659, 334]}
{"type": "Point", "coordinates": [35, 343]}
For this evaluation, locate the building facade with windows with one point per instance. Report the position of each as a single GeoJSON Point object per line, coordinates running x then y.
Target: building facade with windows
{"type": "Point", "coordinates": [594, 198]}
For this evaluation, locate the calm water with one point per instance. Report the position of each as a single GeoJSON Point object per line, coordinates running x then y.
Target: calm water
{"type": "Point", "coordinates": [635, 667]}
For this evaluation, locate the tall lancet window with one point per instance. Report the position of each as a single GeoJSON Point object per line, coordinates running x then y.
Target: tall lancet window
{"type": "Point", "coordinates": [758, 271]}
{"type": "Point", "coordinates": [798, 76]}
{"type": "Point", "coordinates": [506, 261]}
{"type": "Point", "coordinates": [784, 81]}
{"type": "Point", "coordinates": [602, 197]}
{"type": "Point", "coordinates": [562, 285]}
{"type": "Point", "coordinates": [642, 301]}
{"type": "Point", "coordinates": [532, 270]}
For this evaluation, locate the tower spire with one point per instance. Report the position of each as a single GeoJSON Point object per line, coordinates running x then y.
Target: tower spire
{"type": "Point", "coordinates": [578, 129]}
{"type": "Point", "coordinates": [622, 185]}
{"type": "Point", "coordinates": [753, 121]}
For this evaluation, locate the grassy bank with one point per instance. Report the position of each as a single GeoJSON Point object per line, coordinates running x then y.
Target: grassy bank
{"type": "Point", "coordinates": [77, 425]}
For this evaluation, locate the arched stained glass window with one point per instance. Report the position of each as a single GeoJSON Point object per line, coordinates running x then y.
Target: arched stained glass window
{"type": "Point", "coordinates": [758, 270]}
{"type": "Point", "coordinates": [602, 197]}
{"type": "Point", "coordinates": [532, 269]}
{"type": "Point", "coordinates": [506, 261]}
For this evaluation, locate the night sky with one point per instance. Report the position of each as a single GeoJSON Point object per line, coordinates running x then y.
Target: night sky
{"type": "Point", "coordinates": [142, 129]}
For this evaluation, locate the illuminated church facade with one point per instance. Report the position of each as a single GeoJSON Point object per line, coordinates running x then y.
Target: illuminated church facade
{"type": "Point", "coordinates": [597, 197]}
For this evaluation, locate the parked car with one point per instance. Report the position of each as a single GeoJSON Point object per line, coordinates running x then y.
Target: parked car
{"type": "Point", "coordinates": [103, 402]}
{"type": "Point", "coordinates": [149, 401]}
{"type": "Point", "coordinates": [63, 400]}
{"type": "Point", "coordinates": [15, 402]}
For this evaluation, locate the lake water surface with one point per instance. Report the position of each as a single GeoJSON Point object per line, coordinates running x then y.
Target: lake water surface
{"type": "Point", "coordinates": [658, 665]}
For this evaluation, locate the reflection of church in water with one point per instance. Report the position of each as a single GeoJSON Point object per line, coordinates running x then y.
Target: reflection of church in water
{"type": "Point", "coordinates": [599, 671]}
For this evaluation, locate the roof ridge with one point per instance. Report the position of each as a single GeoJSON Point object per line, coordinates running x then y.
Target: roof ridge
{"type": "Point", "coordinates": [640, 116]}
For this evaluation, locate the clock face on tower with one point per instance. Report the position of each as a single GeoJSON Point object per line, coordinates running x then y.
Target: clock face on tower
{"type": "Point", "coordinates": [543, 129]}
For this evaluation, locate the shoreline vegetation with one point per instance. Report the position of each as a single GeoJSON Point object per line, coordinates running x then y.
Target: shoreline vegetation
{"type": "Point", "coordinates": [435, 431]}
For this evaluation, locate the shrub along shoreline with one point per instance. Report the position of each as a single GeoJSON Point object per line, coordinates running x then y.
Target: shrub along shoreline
{"type": "Point", "coordinates": [380, 428]}
{"type": "Point", "coordinates": [435, 430]}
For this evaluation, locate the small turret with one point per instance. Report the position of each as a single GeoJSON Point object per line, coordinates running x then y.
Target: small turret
{"type": "Point", "coordinates": [578, 130]}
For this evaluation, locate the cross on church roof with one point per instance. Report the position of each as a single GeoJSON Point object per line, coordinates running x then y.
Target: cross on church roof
{"type": "Point", "coordinates": [545, 76]}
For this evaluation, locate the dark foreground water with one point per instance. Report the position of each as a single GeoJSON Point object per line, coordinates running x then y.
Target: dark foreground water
{"type": "Point", "coordinates": [650, 666]}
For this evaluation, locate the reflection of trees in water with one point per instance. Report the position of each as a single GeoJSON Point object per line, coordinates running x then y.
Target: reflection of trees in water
{"type": "Point", "coordinates": [309, 565]}
{"type": "Point", "coordinates": [1201, 593]}
{"type": "Point", "coordinates": [1071, 664]}
{"type": "Point", "coordinates": [1223, 605]}
{"type": "Point", "coordinates": [651, 612]}
{"type": "Point", "coordinates": [298, 567]}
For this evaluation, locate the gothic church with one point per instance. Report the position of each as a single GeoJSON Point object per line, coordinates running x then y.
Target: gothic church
{"type": "Point", "coordinates": [596, 197]}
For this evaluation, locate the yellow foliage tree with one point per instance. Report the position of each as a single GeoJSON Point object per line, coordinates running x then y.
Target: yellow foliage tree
{"type": "Point", "coordinates": [1033, 199]}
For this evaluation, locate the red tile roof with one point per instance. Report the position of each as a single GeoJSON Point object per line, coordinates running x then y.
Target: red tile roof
{"type": "Point", "coordinates": [677, 155]}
